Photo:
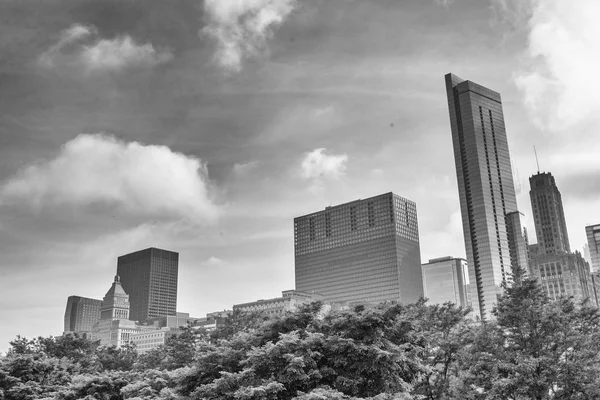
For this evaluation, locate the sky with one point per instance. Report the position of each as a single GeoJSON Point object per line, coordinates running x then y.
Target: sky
{"type": "Point", "coordinates": [206, 127]}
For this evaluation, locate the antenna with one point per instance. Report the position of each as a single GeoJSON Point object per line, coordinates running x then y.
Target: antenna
{"type": "Point", "coordinates": [536, 159]}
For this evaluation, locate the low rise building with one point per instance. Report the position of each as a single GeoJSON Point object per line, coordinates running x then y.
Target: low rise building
{"type": "Point", "coordinates": [290, 300]}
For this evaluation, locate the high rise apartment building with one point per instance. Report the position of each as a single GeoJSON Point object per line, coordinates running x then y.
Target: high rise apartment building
{"type": "Point", "coordinates": [486, 188]}
{"type": "Point", "coordinates": [445, 280]}
{"type": "Point", "coordinates": [81, 314]}
{"type": "Point", "coordinates": [150, 279]}
{"type": "Point", "coordinates": [548, 215]}
{"type": "Point", "coordinates": [362, 251]}
{"type": "Point", "coordinates": [593, 239]}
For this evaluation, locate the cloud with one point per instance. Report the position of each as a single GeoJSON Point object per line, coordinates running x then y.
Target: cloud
{"type": "Point", "coordinates": [135, 178]}
{"type": "Point", "coordinates": [445, 3]}
{"type": "Point", "coordinates": [212, 260]}
{"type": "Point", "coordinates": [242, 27]}
{"type": "Point", "coordinates": [244, 168]}
{"type": "Point", "coordinates": [317, 164]}
{"type": "Point", "coordinates": [560, 62]}
{"type": "Point", "coordinates": [80, 46]}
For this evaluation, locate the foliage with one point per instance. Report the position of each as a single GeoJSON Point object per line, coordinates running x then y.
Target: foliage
{"type": "Point", "coordinates": [534, 348]}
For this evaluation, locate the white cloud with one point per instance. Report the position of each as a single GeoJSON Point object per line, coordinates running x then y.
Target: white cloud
{"type": "Point", "coordinates": [242, 27]}
{"type": "Point", "coordinates": [562, 59]}
{"type": "Point", "coordinates": [80, 46]}
{"type": "Point", "coordinates": [445, 3]}
{"type": "Point", "coordinates": [135, 178]}
{"type": "Point", "coordinates": [212, 260]}
{"type": "Point", "coordinates": [317, 164]}
{"type": "Point", "coordinates": [244, 168]}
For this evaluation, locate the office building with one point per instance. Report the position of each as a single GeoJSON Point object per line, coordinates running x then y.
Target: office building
{"type": "Point", "coordinates": [290, 300]}
{"type": "Point", "coordinates": [548, 215]}
{"type": "Point", "coordinates": [81, 314]}
{"type": "Point", "coordinates": [150, 339]}
{"type": "Point", "coordinates": [150, 278]}
{"type": "Point", "coordinates": [518, 242]}
{"type": "Point", "coordinates": [486, 188]}
{"type": "Point", "coordinates": [445, 280]}
{"type": "Point", "coordinates": [593, 240]}
{"type": "Point", "coordinates": [114, 326]}
{"type": "Point", "coordinates": [362, 251]}
{"type": "Point", "coordinates": [565, 275]}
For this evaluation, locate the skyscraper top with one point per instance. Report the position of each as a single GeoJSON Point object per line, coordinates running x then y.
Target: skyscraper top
{"type": "Point", "coordinates": [462, 86]}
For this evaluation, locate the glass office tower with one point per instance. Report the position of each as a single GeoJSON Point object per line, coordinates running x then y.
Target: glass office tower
{"type": "Point", "coordinates": [445, 280]}
{"type": "Point", "coordinates": [81, 314]}
{"type": "Point", "coordinates": [149, 277]}
{"type": "Point", "coordinates": [362, 251]}
{"type": "Point", "coordinates": [486, 188]}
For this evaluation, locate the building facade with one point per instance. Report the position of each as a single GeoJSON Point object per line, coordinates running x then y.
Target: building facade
{"type": "Point", "coordinates": [593, 240]}
{"type": "Point", "coordinates": [565, 275]}
{"type": "Point", "coordinates": [548, 215]}
{"type": "Point", "coordinates": [81, 314]}
{"type": "Point", "coordinates": [290, 300]}
{"type": "Point", "coordinates": [150, 278]}
{"type": "Point", "coordinates": [362, 251]}
{"type": "Point", "coordinates": [445, 280]}
{"type": "Point", "coordinates": [114, 327]}
{"type": "Point", "coordinates": [518, 242]}
{"type": "Point", "coordinates": [149, 339]}
{"type": "Point", "coordinates": [485, 186]}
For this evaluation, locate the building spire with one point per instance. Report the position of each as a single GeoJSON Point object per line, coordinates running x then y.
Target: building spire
{"type": "Point", "coordinates": [536, 159]}
{"type": "Point", "coordinates": [117, 278]}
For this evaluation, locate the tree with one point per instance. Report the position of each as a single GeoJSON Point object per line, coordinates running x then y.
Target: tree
{"type": "Point", "coordinates": [536, 349]}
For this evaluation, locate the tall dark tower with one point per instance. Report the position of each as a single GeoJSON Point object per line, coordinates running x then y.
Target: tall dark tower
{"type": "Point", "coordinates": [150, 279]}
{"type": "Point", "coordinates": [486, 190]}
{"type": "Point", "coordinates": [548, 215]}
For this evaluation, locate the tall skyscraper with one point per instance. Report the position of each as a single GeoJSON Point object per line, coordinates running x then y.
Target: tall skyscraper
{"type": "Point", "coordinates": [445, 280]}
{"type": "Point", "coordinates": [362, 251]}
{"type": "Point", "coordinates": [485, 186]}
{"type": "Point", "coordinates": [593, 238]}
{"type": "Point", "coordinates": [548, 215]}
{"type": "Point", "coordinates": [150, 279]}
{"type": "Point", "coordinates": [518, 242]}
{"type": "Point", "coordinates": [81, 314]}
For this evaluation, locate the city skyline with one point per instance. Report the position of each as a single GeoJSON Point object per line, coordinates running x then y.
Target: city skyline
{"type": "Point", "coordinates": [325, 107]}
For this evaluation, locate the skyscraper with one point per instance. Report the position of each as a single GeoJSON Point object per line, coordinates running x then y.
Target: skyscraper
{"type": "Point", "coordinates": [485, 186]}
{"type": "Point", "coordinates": [593, 238]}
{"type": "Point", "coordinates": [81, 314]}
{"type": "Point", "coordinates": [150, 279]}
{"type": "Point", "coordinates": [548, 215]}
{"type": "Point", "coordinates": [445, 280]}
{"type": "Point", "coordinates": [362, 251]}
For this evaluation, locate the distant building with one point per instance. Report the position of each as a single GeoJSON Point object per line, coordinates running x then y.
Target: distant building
{"type": "Point", "coordinates": [150, 339]}
{"type": "Point", "coordinates": [486, 189]}
{"type": "Point", "coordinates": [548, 215]}
{"type": "Point", "coordinates": [362, 251]}
{"type": "Point", "coordinates": [290, 300]}
{"type": "Point", "coordinates": [171, 321]}
{"type": "Point", "coordinates": [564, 275]}
{"type": "Point", "coordinates": [114, 326]}
{"type": "Point", "coordinates": [445, 280]}
{"type": "Point", "coordinates": [150, 278]}
{"type": "Point", "coordinates": [81, 314]}
{"type": "Point", "coordinates": [593, 238]}
{"type": "Point", "coordinates": [518, 242]}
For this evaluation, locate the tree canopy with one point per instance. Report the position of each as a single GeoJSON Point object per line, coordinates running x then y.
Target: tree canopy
{"type": "Point", "coordinates": [534, 348]}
